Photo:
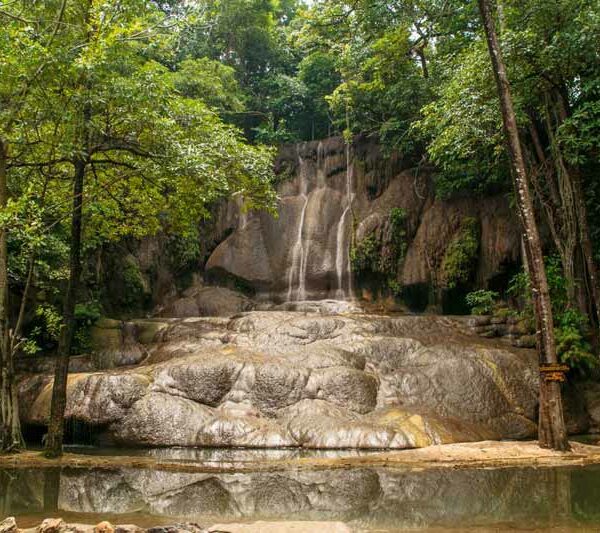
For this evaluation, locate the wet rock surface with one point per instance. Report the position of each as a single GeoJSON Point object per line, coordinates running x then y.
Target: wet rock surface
{"type": "Point", "coordinates": [281, 379]}
{"type": "Point", "coordinates": [309, 240]}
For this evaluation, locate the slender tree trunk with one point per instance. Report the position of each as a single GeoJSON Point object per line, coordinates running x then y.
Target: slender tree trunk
{"type": "Point", "coordinates": [55, 436]}
{"type": "Point", "coordinates": [552, 432]}
{"type": "Point", "coordinates": [10, 426]}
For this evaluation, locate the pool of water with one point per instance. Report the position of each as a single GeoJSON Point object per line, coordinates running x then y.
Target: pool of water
{"type": "Point", "coordinates": [367, 499]}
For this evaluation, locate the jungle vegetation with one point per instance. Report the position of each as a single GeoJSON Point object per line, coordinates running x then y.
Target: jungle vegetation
{"type": "Point", "coordinates": [123, 118]}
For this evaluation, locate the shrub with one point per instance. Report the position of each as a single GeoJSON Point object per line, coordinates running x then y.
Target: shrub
{"type": "Point", "coordinates": [570, 324]}
{"type": "Point", "coordinates": [482, 302]}
{"type": "Point", "coordinates": [461, 255]}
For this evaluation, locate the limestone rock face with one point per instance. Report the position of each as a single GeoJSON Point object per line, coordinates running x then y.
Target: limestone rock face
{"type": "Point", "coordinates": [310, 238]}
{"type": "Point", "coordinates": [313, 380]}
{"type": "Point", "coordinates": [592, 397]}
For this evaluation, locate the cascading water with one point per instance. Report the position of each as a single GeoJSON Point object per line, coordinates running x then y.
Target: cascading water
{"type": "Point", "coordinates": [297, 273]}
{"type": "Point", "coordinates": [300, 249]}
{"type": "Point", "coordinates": [343, 247]}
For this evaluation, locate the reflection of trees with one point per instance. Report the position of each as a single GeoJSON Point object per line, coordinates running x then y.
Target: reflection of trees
{"type": "Point", "coordinates": [585, 493]}
{"type": "Point", "coordinates": [19, 492]}
{"type": "Point", "coordinates": [51, 489]}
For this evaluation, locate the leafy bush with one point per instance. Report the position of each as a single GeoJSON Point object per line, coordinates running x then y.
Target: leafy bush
{"type": "Point", "coordinates": [570, 324]}
{"type": "Point", "coordinates": [482, 302]}
{"type": "Point", "coordinates": [461, 254]}
{"type": "Point", "coordinates": [395, 287]}
{"type": "Point", "coordinates": [398, 227]}
{"type": "Point", "coordinates": [86, 315]}
{"type": "Point", "coordinates": [571, 345]}
{"type": "Point", "coordinates": [365, 255]}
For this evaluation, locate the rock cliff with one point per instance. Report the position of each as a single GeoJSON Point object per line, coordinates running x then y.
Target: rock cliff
{"type": "Point", "coordinates": [334, 199]}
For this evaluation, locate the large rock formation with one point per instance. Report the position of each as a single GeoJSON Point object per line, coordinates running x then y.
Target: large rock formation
{"type": "Point", "coordinates": [333, 200]}
{"type": "Point", "coordinates": [278, 379]}
{"type": "Point", "coordinates": [331, 196]}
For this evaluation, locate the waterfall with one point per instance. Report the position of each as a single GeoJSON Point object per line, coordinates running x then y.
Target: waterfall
{"type": "Point", "coordinates": [343, 248]}
{"type": "Point", "coordinates": [297, 273]}
{"type": "Point", "coordinates": [300, 249]}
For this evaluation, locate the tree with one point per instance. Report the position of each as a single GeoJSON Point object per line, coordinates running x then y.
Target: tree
{"type": "Point", "coordinates": [121, 145]}
{"type": "Point", "coordinates": [25, 43]}
{"type": "Point", "coordinates": [552, 430]}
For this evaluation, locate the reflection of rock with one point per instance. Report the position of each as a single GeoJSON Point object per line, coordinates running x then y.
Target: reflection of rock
{"type": "Point", "coordinates": [380, 498]}
{"type": "Point", "coordinates": [275, 379]}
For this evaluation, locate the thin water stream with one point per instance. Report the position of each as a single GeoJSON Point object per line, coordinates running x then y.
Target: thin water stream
{"type": "Point", "coordinates": [297, 273]}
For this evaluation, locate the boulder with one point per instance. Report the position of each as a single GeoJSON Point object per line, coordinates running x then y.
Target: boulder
{"type": "Point", "coordinates": [104, 527]}
{"type": "Point", "coordinates": [208, 301]}
{"type": "Point", "coordinates": [52, 525]}
{"type": "Point", "coordinates": [9, 525]}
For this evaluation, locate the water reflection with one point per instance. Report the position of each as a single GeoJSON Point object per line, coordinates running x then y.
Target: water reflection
{"type": "Point", "coordinates": [220, 455]}
{"type": "Point", "coordinates": [365, 498]}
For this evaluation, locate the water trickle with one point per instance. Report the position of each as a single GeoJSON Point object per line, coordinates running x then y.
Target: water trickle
{"type": "Point", "coordinates": [298, 267]}
{"type": "Point", "coordinates": [343, 233]}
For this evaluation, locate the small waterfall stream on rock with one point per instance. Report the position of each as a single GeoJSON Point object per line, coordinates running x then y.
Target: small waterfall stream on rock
{"type": "Point", "coordinates": [300, 249]}
{"type": "Point", "coordinates": [343, 247]}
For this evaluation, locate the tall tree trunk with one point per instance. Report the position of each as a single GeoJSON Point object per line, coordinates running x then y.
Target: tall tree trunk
{"type": "Point", "coordinates": [10, 427]}
{"type": "Point", "coordinates": [55, 436]}
{"type": "Point", "coordinates": [552, 432]}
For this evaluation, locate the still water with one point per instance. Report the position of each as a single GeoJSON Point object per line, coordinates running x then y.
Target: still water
{"type": "Point", "coordinates": [367, 499]}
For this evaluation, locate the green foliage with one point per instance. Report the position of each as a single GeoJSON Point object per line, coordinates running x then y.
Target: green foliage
{"type": "Point", "coordinates": [464, 126]}
{"type": "Point", "coordinates": [395, 243]}
{"type": "Point", "coordinates": [571, 343]}
{"type": "Point", "coordinates": [44, 330]}
{"type": "Point", "coordinates": [366, 256]}
{"type": "Point", "coordinates": [134, 292]}
{"type": "Point", "coordinates": [86, 315]}
{"type": "Point", "coordinates": [52, 320]}
{"type": "Point", "coordinates": [184, 250]}
{"type": "Point", "coordinates": [210, 81]}
{"type": "Point", "coordinates": [398, 229]}
{"type": "Point", "coordinates": [482, 302]}
{"type": "Point", "coordinates": [395, 287]}
{"type": "Point", "coordinates": [461, 255]}
{"type": "Point", "coordinates": [570, 325]}
{"type": "Point", "coordinates": [157, 151]}
{"type": "Point", "coordinates": [371, 255]}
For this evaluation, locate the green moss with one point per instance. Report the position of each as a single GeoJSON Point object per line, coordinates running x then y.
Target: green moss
{"type": "Point", "coordinates": [461, 255]}
{"type": "Point", "coordinates": [373, 256]}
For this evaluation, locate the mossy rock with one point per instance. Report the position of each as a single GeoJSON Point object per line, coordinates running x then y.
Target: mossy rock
{"type": "Point", "coordinates": [147, 329]}
{"type": "Point", "coordinates": [103, 339]}
{"type": "Point", "coordinates": [107, 323]}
